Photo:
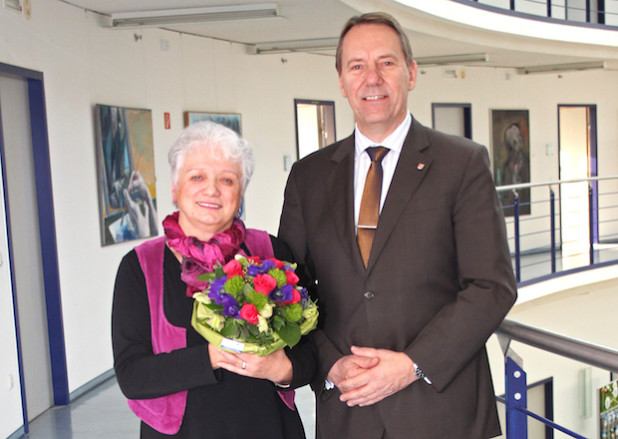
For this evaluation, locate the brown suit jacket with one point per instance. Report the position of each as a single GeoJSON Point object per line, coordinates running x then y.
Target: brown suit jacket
{"type": "Point", "coordinates": [438, 283]}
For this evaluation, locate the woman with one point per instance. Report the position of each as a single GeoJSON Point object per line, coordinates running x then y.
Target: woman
{"type": "Point", "coordinates": [177, 383]}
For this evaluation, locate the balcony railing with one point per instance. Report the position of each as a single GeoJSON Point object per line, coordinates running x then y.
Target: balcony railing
{"type": "Point", "coordinates": [561, 227]}
{"type": "Point", "coordinates": [588, 12]}
{"type": "Point", "coordinates": [515, 399]}
{"type": "Point", "coordinates": [555, 228]}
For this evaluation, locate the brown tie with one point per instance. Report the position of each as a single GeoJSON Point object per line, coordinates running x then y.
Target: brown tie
{"type": "Point", "coordinates": [370, 202]}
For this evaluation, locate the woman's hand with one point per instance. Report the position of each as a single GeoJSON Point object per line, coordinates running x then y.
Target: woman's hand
{"type": "Point", "coordinates": [275, 367]}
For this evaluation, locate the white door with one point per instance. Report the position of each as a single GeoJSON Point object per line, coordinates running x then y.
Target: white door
{"type": "Point", "coordinates": [574, 146]}
{"type": "Point", "coordinates": [450, 120]}
{"type": "Point", "coordinates": [10, 392]}
{"type": "Point", "coordinates": [25, 244]}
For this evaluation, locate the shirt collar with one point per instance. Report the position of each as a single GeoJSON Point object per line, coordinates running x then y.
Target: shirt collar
{"type": "Point", "coordinates": [394, 141]}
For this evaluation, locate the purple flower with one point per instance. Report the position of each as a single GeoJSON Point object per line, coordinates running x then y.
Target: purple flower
{"type": "Point", "coordinates": [285, 294]}
{"type": "Point", "coordinates": [230, 306]}
{"type": "Point", "coordinates": [216, 289]}
{"type": "Point", "coordinates": [253, 270]}
{"type": "Point", "coordinates": [263, 268]}
{"type": "Point", "coordinates": [304, 297]}
{"type": "Point", "coordinates": [267, 266]}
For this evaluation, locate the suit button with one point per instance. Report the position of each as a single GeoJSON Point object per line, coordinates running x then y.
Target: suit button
{"type": "Point", "coordinates": [369, 295]}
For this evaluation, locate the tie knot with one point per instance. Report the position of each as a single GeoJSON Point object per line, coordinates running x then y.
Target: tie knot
{"type": "Point", "coordinates": [377, 153]}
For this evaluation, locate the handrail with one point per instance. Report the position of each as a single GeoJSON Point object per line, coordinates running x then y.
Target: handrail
{"type": "Point", "coordinates": [554, 182]}
{"type": "Point", "coordinates": [589, 353]}
{"type": "Point", "coordinates": [543, 244]}
{"type": "Point", "coordinates": [597, 16]}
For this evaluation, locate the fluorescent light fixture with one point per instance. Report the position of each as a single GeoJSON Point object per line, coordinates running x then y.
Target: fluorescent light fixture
{"type": "Point", "coordinates": [470, 58]}
{"type": "Point", "coordinates": [312, 45]}
{"type": "Point", "coordinates": [194, 15]}
{"type": "Point", "coordinates": [567, 67]}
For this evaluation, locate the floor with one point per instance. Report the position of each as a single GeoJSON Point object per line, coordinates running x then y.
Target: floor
{"type": "Point", "coordinates": [103, 413]}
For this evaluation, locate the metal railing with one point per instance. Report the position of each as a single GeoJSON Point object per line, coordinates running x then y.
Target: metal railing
{"type": "Point", "coordinates": [589, 12]}
{"type": "Point", "coordinates": [515, 377]}
{"type": "Point", "coordinates": [555, 228]}
{"type": "Point", "coordinates": [561, 227]}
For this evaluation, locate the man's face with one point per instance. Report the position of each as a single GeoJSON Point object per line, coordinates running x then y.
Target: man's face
{"type": "Point", "coordinates": [375, 78]}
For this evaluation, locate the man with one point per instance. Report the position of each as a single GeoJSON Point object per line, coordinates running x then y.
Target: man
{"type": "Point", "coordinates": [403, 328]}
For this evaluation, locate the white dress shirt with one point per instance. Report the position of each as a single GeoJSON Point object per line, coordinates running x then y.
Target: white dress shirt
{"type": "Point", "coordinates": [394, 142]}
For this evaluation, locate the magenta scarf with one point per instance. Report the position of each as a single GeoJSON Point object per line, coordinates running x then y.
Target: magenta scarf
{"type": "Point", "coordinates": [200, 257]}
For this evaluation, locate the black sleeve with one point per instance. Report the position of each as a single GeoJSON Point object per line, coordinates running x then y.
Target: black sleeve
{"type": "Point", "coordinates": [140, 373]}
{"type": "Point", "coordinates": [303, 356]}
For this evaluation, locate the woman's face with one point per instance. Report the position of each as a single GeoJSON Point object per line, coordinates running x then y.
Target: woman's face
{"type": "Point", "coordinates": [208, 192]}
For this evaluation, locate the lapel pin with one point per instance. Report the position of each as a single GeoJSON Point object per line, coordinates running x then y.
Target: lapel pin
{"type": "Point", "coordinates": [420, 166]}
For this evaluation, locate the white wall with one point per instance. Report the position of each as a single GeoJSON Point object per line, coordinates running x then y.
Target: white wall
{"type": "Point", "coordinates": [85, 64]}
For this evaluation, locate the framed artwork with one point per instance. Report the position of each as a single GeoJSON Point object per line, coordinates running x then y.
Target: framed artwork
{"type": "Point", "coordinates": [230, 120]}
{"type": "Point", "coordinates": [125, 162]}
{"type": "Point", "coordinates": [511, 156]}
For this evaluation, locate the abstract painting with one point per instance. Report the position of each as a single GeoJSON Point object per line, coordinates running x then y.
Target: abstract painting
{"type": "Point", "coordinates": [125, 160]}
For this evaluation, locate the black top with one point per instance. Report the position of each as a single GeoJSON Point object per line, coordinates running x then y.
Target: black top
{"type": "Point", "coordinates": [220, 404]}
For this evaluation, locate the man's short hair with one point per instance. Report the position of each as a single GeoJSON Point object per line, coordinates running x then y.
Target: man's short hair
{"type": "Point", "coordinates": [375, 18]}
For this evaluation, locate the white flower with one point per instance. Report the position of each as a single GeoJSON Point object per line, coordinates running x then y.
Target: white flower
{"type": "Point", "coordinates": [262, 324]}
{"type": "Point", "coordinates": [267, 310]}
{"type": "Point", "coordinates": [216, 321]}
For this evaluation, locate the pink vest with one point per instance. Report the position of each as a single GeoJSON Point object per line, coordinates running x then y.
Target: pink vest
{"type": "Point", "coordinates": [165, 413]}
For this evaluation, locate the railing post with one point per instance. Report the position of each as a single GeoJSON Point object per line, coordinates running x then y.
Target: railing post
{"type": "Point", "coordinates": [552, 228]}
{"type": "Point", "coordinates": [591, 223]}
{"type": "Point", "coordinates": [516, 397]}
{"type": "Point", "coordinates": [516, 237]}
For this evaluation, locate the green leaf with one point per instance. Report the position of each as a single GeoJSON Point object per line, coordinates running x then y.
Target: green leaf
{"type": "Point", "coordinates": [206, 277]}
{"type": "Point", "coordinates": [230, 329]}
{"type": "Point", "coordinates": [290, 334]}
{"type": "Point", "coordinates": [278, 323]}
{"type": "Point", "coordinates": [219, 271]}
{"type": "Point", "coordinates": [214, 306]}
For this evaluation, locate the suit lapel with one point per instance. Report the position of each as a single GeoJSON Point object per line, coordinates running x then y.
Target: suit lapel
{"type": "Point", "coordinates": [340, 192]}
{"type": "Point", "coordinates": [411, 168]}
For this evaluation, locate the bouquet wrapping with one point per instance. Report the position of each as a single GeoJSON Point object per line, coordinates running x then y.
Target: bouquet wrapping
{"type": "Point", "coordinates": [253, 305]}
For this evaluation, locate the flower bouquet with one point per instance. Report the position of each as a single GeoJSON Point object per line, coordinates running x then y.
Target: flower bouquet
{"type": "Point", "coordinates": [253, 305]}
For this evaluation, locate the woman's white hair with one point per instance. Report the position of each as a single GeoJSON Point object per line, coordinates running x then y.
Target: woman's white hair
{"type": "Point", "coordinates": [215, 137]}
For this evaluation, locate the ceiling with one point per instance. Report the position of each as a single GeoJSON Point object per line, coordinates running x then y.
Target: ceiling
{"type": "Point", "coordinates": [314, 22]}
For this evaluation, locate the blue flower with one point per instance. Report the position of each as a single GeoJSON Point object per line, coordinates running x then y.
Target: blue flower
{"type": "Point", "coordinates": [285, 294]}
{"type": "Point", "coordinates": [231, 308]}
{"type": "Point", "coordinates": [267, 266]}
{"type": "Point", "coordinates": [216, 290]}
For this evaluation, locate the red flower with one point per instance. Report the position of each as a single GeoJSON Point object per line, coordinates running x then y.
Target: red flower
{"type": "Point", "coordinates": [254, 260]}
{"type": "Point", "coordinates": [264, 283]}
{"type": "Point", "coordinates": [249, 313]}
{"type": "Point", "coordinates": [280, 265]}
{"type": "Point", "coordinates": [291, 277]}
{"type": "Point", "coordinates": [233, 268]}
{"type": "Point", "coordinates": [295, 299]}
